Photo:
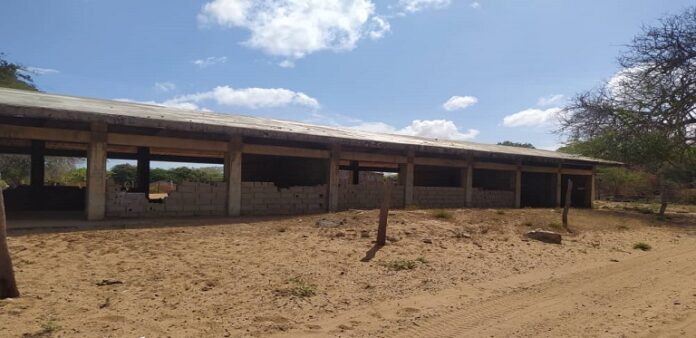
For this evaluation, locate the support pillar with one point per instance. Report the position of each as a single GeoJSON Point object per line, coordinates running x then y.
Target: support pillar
{"type": "Point", "coordinates": [143, 174]}
{"type": "Point", "coordinates": [593, 190]}
{"type": "Point", "coordinates": [37, 177]}
{"type": "Point", "coordinates": [233, 176]}
{"type": "Point", "coordinates": [518, 185]}
{"type": "Point", "coordinates": [469, 182]}
{"type": "Point", "coordinates": [96, 173]}
{"type": "Point", "coordinates": [408, 180]}
{"type": "Point", "coordinates": [559, 185]}
{"type": "Point", "coordinates": [332, 178]}
{"type": "Point", "coordinates": [355, 170]}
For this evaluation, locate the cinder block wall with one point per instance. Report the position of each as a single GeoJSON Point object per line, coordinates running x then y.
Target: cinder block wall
{"type": "Point", "coordinates": [265, 198]}
{"type": "Point", "coordinates": [189, 199]}
{"type": "Point", "coordinates": [367, 194]}
{"type": "Point", "coordinates": [439, 197]}
{"type": "Point", "coordinates": [481, 198]}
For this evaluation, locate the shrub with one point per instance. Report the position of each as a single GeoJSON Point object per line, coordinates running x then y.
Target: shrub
{"type": "Point", "coordinates": [400, 264]}
{"type": "Point", "coordinates": [642, 246]}
{"type": "Point", "coordinates": [300, 288]}
{"type": "Point", "coordinates": [442, 214]}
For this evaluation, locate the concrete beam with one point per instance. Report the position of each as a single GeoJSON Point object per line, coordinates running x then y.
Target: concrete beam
{"type": "Point", "coordinates": [440, 162]}
{"type": "Point", "coordinates": [369, 157]}
{"type": "Point", "coordinates": [233, 176]}
{"type": "Point", "coordinates": [96, 173]}
{"type": "Point", "coordinates": [261, 149]}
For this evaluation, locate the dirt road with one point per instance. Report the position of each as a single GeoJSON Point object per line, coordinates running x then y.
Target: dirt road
{"type": "Point", "coordinates": [651, 295]}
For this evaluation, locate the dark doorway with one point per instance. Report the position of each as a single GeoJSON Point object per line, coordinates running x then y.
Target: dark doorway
{"type": "Point", "coordinates": [580, 196]}
{"type": "Point", "coordinates": [538, 190]}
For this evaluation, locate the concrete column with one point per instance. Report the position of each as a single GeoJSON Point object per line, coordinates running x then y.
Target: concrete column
{"type": "Point", "coordinates": [518, 185]}
{"type": "Point", "coordinates": [233, 176]}
{"type": "Point", "coordinates": [332, 177]}
{"type": "Point", "coordinates": [143, 169]}
{"type": "Point", "coordinates": [593, 189]}
{"type": "Point", "coordinates": [469, 181]}
{"type": "Point", "coordinates": [37, 173]}
{"type": "Point", "coordinates": [408, 180]}
{"type": "Point", "coordinates": [96, 173]}
{"type": "Point", "coordinates": [559, 186]}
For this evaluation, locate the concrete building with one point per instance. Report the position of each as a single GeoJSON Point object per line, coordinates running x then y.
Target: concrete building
{"type": "Point", "coordinates": [270, 166]}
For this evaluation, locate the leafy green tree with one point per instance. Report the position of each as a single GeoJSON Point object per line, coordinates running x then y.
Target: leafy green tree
{"type": "Point", "coordinates": [14, 76]}
{"type": "Point", "coordinates": [645, 115]}
{"type": "Point", "coordinates": [124, 174]}
{"type": "Point", "coordinates": [516, 144]}
{"type": "Point", "coordinates": [14, 169]}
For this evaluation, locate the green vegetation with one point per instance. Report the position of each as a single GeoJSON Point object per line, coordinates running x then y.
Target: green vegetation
{"type": "Point", "coordinates": [15, 76]}
{"type": "Point", "coordinates": [516, 144]}
{"type": "Point", "coordinates": [300, 288]}
{"type": "Point", "coordinates": [400, 264]}
{"type": "Point", "coordinates": [442, 214]}
{"type": "Point", "coordinates": [50, 326]}
{"type": "Point", "coordinates": [642, 246]}
{"type": "Point", "coordinates": [126, 174]}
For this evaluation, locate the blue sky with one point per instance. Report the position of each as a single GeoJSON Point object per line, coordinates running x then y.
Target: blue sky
{"type": "Point", "coordinates": [483, 71]}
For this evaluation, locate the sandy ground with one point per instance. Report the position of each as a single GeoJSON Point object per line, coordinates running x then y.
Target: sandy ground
{"type": "Point", "coordinates": [470, 275]}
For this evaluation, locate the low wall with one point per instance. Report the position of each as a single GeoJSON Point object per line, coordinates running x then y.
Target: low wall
{"type": "Point", "coordinates": [367, 194]}
{"type": "Point", "coordinates": [481, 198]}
{"type": "Point", "coordinates": [189, 199]}
{"type": "Point", "coordinates": [439, 197]}
{"type": "Point", "coordinates": [265, 198]}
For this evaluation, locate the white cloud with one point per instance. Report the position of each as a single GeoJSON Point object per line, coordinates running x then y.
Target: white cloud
{"type": "Point", "coordinates": [552, 100]}
{"type": "Point", "coordinates": [253, 98]}
{"type": "Point", "coordinates": [167, 103]}
{"type": "Point", "coordinates": [209, 61]}
{"type": "Point", "coordinates": [294, 28]}
{"type": "Point", "coordinates": [165, 86]}
{"type": "Point", "coordinates": [413, 6]}
{"type": "Point", "coordinates": [475, 5]}
{"type": "Point", "coordinates": [533, 117]}
{"type": "Point", "coordinates": [41, 71]}
{"type": "Point", "coordinates": [286, 64]}
{"type": "Point", "coordinates": [439, 129]}
{"type": "Point", "coordinates": [459, 102]}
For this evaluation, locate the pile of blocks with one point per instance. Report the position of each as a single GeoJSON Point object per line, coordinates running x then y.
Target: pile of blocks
{"type": "Point", "coordinates": [265, 198]}
{"type": "Point", "coordinates": [481, 198]}
{"type": "Point", "coordinates": [439, 197]}
{"type": "Point", "coordinates": [189, 199]}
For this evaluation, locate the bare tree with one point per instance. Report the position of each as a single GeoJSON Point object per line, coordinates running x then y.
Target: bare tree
{"type": "Point", "coordinates": [646, 114]}
{"type": "Point", "coordinates": [8, 284]}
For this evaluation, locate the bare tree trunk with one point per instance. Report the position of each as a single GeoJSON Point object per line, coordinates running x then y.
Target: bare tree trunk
{"type": "Point", "coordinates": [566, 207]}
{"type": "Point", "coordinates": [663, 195]}
{"type": "Point", "coordinates": [8, 285]}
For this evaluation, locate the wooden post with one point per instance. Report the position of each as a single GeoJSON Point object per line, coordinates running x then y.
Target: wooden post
{"type": "Point", "coordinates": [233, 176]}
{"type": "Point", "coordinates": [568, 196]}
{"type": "Point", "coordinates": [96, 173]}
{"type": "Point", "coordinates": [384, 212]}
{"type": "Point", "coordinates": [408, 180]}
{"type": "Point", "coordinates": [559, 187]}
{"type": "Point", "coordinates": [332, 186]}
{"type": "Point", "coordinates": [143, 170]}
{"type": "Point", "coordinates": [518, 185]}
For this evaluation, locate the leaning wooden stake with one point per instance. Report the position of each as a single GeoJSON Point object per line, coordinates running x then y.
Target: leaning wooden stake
{"type": "Point", "coordinates": [8, 285]}
{"type": "Point", "coordinates": [568, 195]}
{"type": "Point", "coordinates": [384, 212]}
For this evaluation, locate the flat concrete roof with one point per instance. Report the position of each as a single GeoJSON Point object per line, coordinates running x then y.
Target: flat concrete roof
{"type": "Point", "coordinates": [18, 103]}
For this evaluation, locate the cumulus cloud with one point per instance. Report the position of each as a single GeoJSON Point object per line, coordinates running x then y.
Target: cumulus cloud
{"type": "Point", "coordinates": [41, 71]}
{"type": "Point", "coordinates": [165, 86]}
{"type": "Point", "coordinates": [459, 102]}
{"type": "Point", "coordinates": [439, 129]}
{"type": "Point", "coordinates": [209, 61]}
{"type": "Point", "coordinates": [532, 117]}
{"type": "Point", "coordinates": [413, 6]}
{"type": "Point", "coordinates": [253, 98]}
{"type": "Point", "coordinates": [552, 100]}
{"type": "Point", "coordinates": [294, 28]}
